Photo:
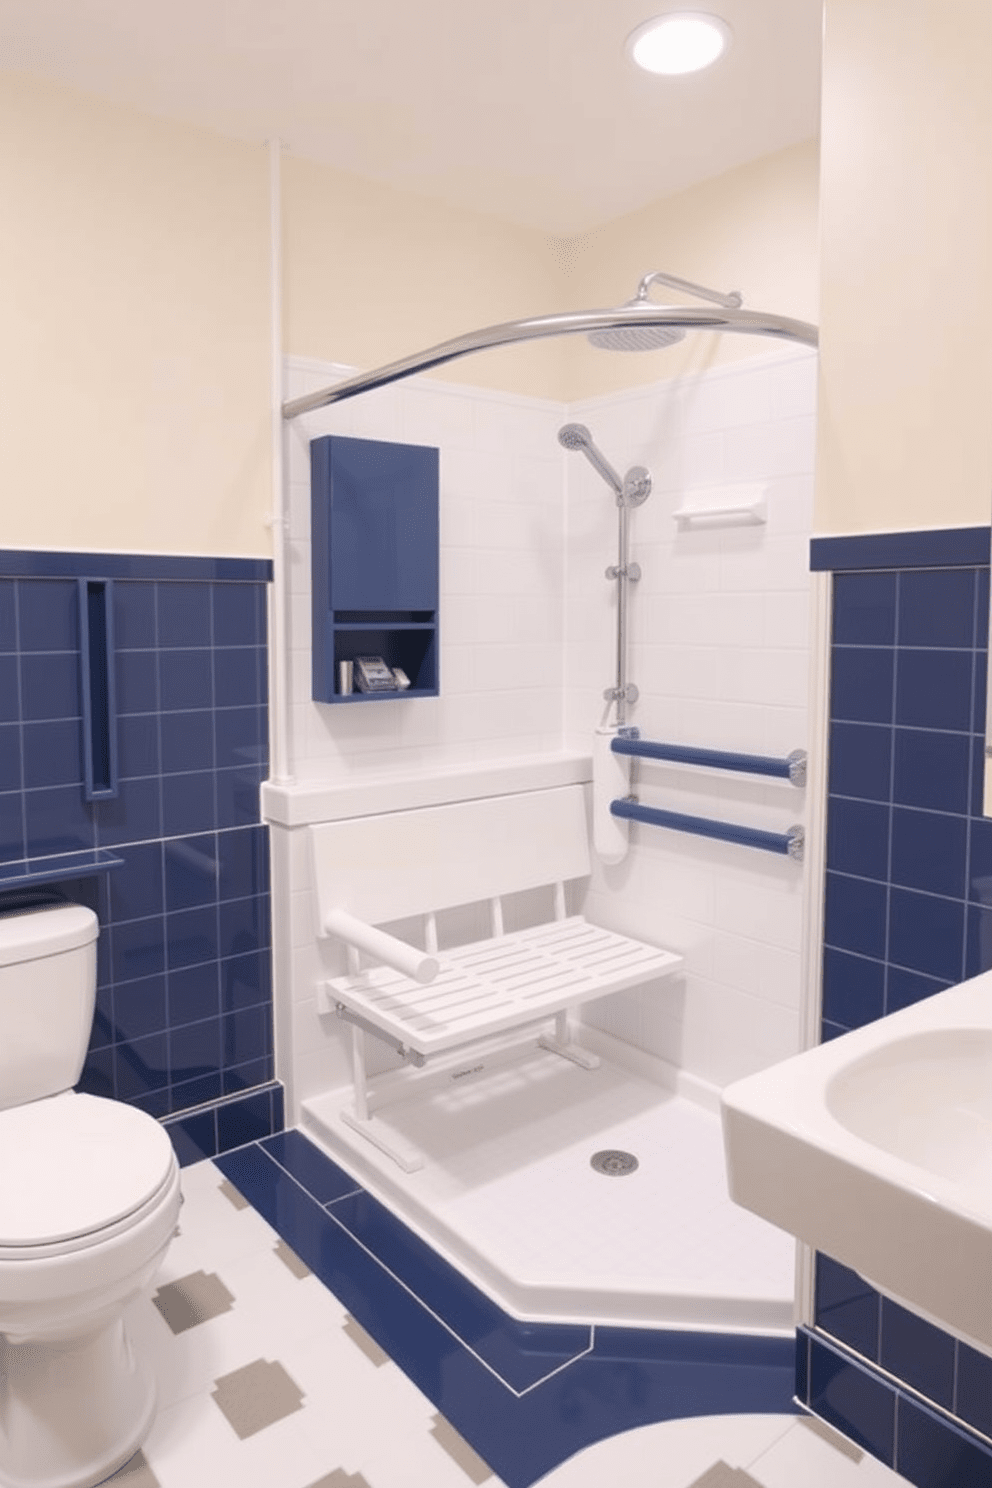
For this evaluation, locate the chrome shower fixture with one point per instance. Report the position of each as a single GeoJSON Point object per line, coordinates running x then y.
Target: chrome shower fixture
{"type": "Point", "coordinates": [632, 490]}
{"type": "Point", "coordinates": [655, 337]}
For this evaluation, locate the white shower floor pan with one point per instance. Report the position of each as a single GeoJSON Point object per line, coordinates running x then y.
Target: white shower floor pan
{"type": "Point", "coordinates": [508, 1195]}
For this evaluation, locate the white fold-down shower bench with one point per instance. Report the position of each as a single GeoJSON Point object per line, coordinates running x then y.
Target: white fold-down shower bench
{"type": "Point", "coordinates": [377, 870]}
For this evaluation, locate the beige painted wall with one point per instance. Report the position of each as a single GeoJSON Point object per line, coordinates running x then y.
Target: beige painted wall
{"type": "Point", "coordinates": [134, 376]}
{"type": "Point", "coordinates": [373, 274]}
{"type": "Point", "coordinates": [753, 229]}
{"type": "Point", "coordinates": [134, 294]}
{"type": "Point", "coordinates": [905, 434]}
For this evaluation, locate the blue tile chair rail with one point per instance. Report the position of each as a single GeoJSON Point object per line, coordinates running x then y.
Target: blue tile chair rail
{"type": "Point", "coordinates": [176, 864]}
{"type": "Point", "coordinates": [907, 913]}
{"type": "Point", "coordinates": [923, 1444]}
{"type": "Point", "coordinates": [524, 1395]}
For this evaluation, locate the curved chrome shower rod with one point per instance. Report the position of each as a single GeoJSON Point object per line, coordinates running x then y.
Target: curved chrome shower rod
{"type": "Point", "coordinates": [573, 323]}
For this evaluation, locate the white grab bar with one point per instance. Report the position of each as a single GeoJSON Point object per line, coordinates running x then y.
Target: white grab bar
{"type": "Point", "coordinates": [387, 948]}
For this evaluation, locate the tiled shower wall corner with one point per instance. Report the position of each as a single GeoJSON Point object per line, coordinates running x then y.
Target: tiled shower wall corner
{"type": "Point", "coordinates": [909, 862]}
{"type": "Point", "coordinates": [184, 1001]}
{"type": "Point", "coordinates": [719, 644]}
{"type": "Point", "coordinates": [719, 650]}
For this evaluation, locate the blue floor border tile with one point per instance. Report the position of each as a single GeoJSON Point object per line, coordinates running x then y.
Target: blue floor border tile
{"type": "Point", "coordinates": [524, 1396]}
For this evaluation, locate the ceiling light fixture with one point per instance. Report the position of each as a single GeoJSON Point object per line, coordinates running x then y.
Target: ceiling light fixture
{"type": "Point", "coordinates": [682, 41]}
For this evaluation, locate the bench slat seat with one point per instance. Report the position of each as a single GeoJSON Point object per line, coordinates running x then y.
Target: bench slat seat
{"type": "Point", "coordinates": [493, 985]}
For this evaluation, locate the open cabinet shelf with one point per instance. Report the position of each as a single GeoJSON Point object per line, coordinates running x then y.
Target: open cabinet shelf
{"type": "Point", "coordinates": [374, 509]}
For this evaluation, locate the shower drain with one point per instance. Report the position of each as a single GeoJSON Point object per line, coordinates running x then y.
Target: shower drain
{"type": "Point", "coordinates": [613, 1163]}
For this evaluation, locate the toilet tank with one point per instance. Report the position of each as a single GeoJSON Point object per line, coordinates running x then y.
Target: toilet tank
{"type": "Point", "coordinates": [47, 1000]}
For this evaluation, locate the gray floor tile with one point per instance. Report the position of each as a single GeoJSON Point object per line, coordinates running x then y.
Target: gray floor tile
{"type": "Point", "coordinates": [256, 1396]}
{"type": "Point", "coordinates": [365, 1342]}
{"type": "Point", "coordinates": [720, 1475]}
{"type": "Point", "coordinates": [233, 1196]}
{"type": "Point", "coordinates": [291, 1260]}
{"type": "Point", "coordinates": [340, 1479]}
{"type": "Point", "coordinates": [458, 1449]}
{"type": "Point", "coordinates": [192, 1300]}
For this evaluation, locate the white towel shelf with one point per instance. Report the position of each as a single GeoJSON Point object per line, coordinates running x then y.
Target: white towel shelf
{"type": "Point", "coordinates": [493, 985]}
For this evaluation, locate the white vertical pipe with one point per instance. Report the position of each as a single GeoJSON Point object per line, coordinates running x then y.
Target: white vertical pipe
{"type": "Point", "coordinates": [280, 762]}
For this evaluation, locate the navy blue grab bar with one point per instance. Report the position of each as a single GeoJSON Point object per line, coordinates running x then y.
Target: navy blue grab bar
{"type": "Point", "coordinates": [790, 843]}
{"type": "Point", "coordinates": [792, 768]}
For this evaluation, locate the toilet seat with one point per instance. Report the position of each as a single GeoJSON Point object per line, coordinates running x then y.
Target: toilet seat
{"type": "Point", "coordinates": [76, 1170]}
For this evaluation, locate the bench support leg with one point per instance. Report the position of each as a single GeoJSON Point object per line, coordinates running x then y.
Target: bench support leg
{"type": "Point", "coordinates": [561, 1042]}
{"type": "Point", "coordinates": [360, 1118]}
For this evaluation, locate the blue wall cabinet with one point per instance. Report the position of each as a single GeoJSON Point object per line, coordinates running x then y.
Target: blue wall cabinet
{"type": "Point", "coordinates": [374, 544]}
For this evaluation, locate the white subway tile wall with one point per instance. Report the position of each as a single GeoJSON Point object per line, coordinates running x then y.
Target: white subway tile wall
{"type": "Point", "coordinates": [719, 637]}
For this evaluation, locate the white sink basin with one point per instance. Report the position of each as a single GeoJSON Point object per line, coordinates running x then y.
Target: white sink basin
{"type": "Point", "coordinates": [876, 1148]}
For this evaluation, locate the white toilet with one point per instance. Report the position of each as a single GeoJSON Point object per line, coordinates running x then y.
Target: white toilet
{"type": "Point", "coordinates": [89, 1200]}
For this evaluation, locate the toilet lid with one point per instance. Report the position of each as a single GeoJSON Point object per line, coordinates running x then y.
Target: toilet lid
{"type": "Point", "coordinates": [72, 1164]}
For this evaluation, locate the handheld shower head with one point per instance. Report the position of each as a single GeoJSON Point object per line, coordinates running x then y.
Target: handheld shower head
{"type": "Point", "coordinates": [577, 437]}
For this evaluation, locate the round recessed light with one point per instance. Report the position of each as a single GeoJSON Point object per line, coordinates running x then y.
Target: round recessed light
{"type": "Point", "coordinates": [682, 41]}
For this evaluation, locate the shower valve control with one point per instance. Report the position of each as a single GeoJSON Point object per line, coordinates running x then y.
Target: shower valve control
{"type": "Point", "coordinates": [631, 571]}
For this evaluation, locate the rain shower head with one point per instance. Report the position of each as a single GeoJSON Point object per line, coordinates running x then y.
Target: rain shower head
{"type": "Point", "coordinates": [634, 337]}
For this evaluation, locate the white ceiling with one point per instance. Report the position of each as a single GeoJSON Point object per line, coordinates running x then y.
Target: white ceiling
{"type": "Point", "coordinates": [525, 109]}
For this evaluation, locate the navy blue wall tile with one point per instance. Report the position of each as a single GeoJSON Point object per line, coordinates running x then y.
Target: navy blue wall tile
{"type": "Point", "coordinates": [134, 815]}
{"type": "Point", "coordinates": [933, 689]}
{"type": "Point", "coordinates": [861, 761]}
{"type": "Point", "coordinates": [853, 988]}
{"type": "Point", "coordinates": [859, 1404]}
{"type": "Point", "coordinates": [184, 615]}
{"type": "Point", "coordinates": [928, 851]}
{"type": "Point", "coordinates": [937, 607]}
{"type": "Point", "coordinates": [973, 1398]}
{"type": "Point", "coordinates": [48, 614]}
{"type": "Point", "coordinates": [922, 926]}
{"type": "Point", "coordinates": [158, 1038]}
{"type": "Point", "coordinates": [847, 1307]}
{"type": "Point", "coordinates": [238, 615]}
{"type": "Point", "coordinates": [53, 753]}
{"type": "Point", "coordinates": [855, 915]}
{"type": "Point", "coordinates": [917, 1353]}
{"type": "Point", "coordinates": [903, 988]}
{"type": "Point", "coordinates": [931, 769]}
{"type": "Point", "coordinates": [137, 681]}
{"type": "Point", "coordinates": [50, 686]}
{"type": "Point", "coordinates": [933, 1453]}
{"type": "Point", "coordinates": [187, 741]}
{"type": "Point", "coordinates": [858, 837]}
{"type": "Point", "coordinates": [185, 680]}
{"type": "Point", "coordinates": [8, 615]}
{"type": "Point", "coordinates": [865, 609]}
{"type": "Point", "coordinates": [861, 684]}
{"type": "Point", "coordinates": [10, 688]}
{"type": "Point", "coordinates": [194, 992]}
{"type": "Point", "coordinates": [189, 803]}
{"type": "Point", "coordinates": [926, 934]}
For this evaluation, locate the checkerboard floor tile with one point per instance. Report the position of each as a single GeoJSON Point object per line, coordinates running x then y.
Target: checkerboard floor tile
{"type": "Point", "coordinates": [267, 1381]}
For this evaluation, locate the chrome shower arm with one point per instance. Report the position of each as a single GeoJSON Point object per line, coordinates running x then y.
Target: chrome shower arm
{"type": "Point", "coordinates": [731, 301]}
